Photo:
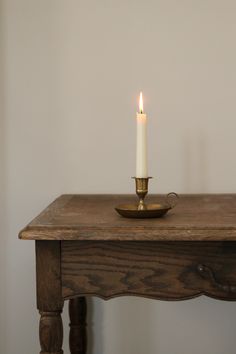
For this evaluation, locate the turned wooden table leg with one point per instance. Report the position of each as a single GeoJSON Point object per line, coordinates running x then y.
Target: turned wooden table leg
{"type": "Point", "coordinates": [51, 333]}
{"type": "Point", "coordinates": [78, 334]}
{"type": "Point", "coordinates": [49, 296]}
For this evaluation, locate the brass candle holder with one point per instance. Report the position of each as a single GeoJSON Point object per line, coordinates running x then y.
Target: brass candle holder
{"type": "Point", "coordinates": [141, 209]}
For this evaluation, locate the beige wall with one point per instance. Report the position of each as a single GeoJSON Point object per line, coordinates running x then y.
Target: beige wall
{"type": "Point", "coordinates": [3, 221]}
{"type": "Point", "coordinates": [72, 73]}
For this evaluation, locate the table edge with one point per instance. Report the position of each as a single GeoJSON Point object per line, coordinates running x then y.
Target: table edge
{"type": "Point", "coordinates": [128, 234]}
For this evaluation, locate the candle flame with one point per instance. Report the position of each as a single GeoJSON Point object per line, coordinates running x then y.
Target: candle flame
{"type": "Point", "coordinates": [141, 102]}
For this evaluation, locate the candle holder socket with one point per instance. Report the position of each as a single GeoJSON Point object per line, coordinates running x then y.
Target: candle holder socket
{"type": "Point", "coordinates": [141, 184]}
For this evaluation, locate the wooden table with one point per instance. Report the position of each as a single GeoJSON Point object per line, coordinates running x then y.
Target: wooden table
{"type": "Point", "coordinates": [83, 248]}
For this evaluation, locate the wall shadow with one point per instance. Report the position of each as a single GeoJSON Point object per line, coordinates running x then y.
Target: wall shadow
{"type": "Point", "coordinates": [114, 323]}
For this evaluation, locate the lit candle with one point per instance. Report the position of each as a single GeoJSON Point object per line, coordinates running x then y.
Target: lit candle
{"type": "Point", "coordinates": [141, 152]}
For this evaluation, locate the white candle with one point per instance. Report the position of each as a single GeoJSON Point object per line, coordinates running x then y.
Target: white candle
{"type": "Point", "coordinates": [141, 152]}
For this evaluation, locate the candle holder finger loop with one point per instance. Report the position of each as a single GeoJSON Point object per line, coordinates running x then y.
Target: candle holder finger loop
{"type": "Point", "coordinates": [172, 199]}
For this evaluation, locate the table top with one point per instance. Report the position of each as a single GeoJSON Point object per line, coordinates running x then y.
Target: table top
{"type": "Point", "coordinates": [92, 217]}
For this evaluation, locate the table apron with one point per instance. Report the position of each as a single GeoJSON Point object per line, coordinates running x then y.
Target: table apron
{"type": "Point", "coordinates": [160, 270]}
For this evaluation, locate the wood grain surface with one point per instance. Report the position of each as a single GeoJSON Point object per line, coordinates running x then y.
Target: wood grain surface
{"type": "Point", "coordinates": [92, 217]}
{"type": "Point", "coordinates": [160, 270]}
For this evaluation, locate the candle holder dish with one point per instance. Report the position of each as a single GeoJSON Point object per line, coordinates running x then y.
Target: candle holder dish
{"type": "Point", "coordinates": [142, 210]}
